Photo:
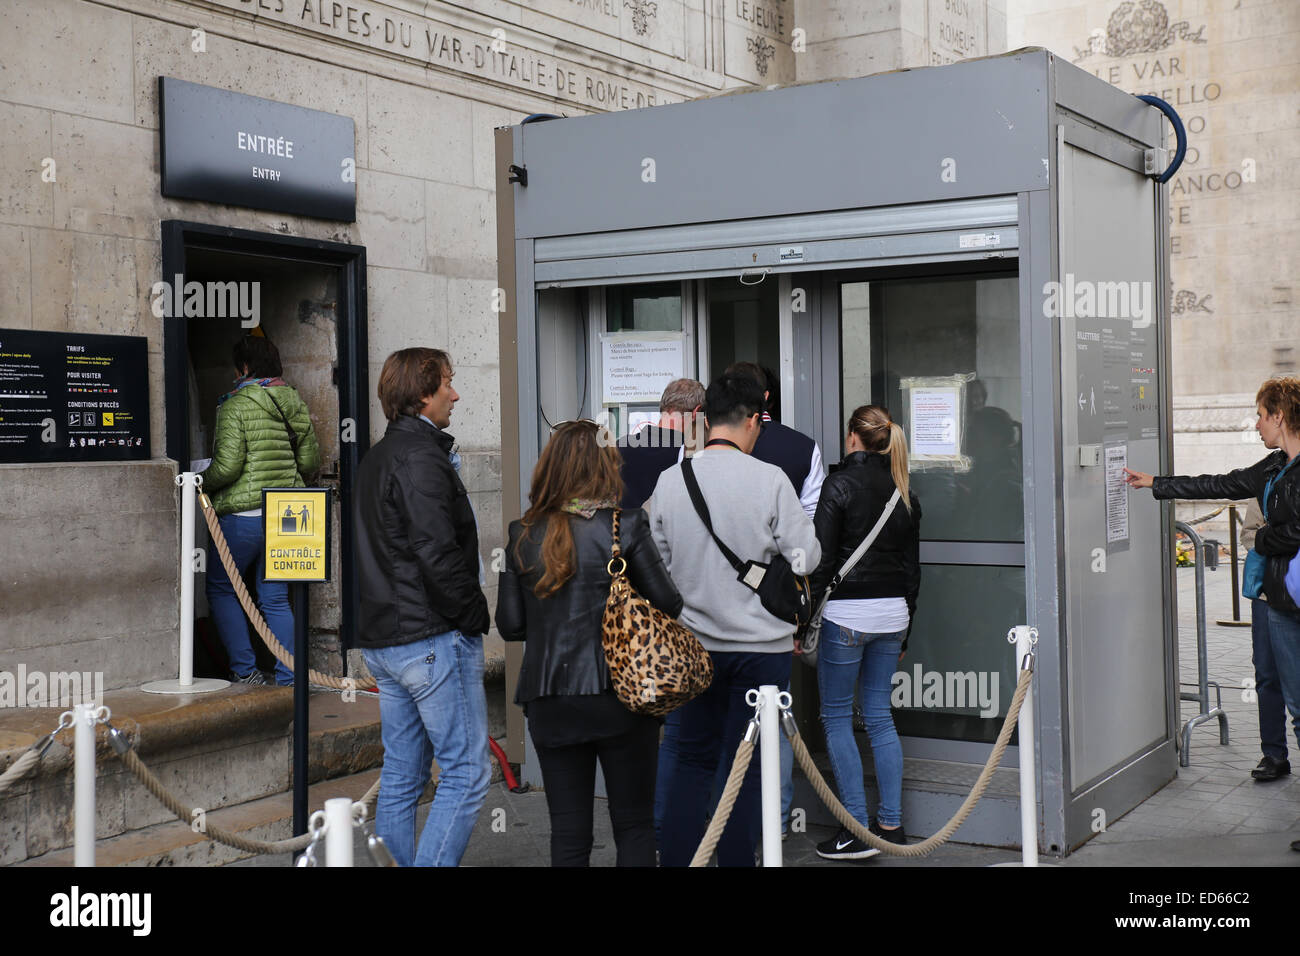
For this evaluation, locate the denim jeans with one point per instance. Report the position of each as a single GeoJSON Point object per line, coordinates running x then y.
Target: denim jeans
{"type": "Point", "coordinates": [431, 705]}
{"type": "Point", "coordinates": [1272, 709]}
{"type": "Point", "coordinates": [849, 658]}
{"type": "Point", "coordinates": [668, 769]}
{"type": "Point", "coordinates": [711, 729]}
{"type": "Point", "coordinates": [1284, 639]}
{"type": "Point", "coordinates": [243, 534]}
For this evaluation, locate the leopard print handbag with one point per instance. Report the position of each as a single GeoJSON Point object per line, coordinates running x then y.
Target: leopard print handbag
{"type": "Point", "coordinates": [655, 663]}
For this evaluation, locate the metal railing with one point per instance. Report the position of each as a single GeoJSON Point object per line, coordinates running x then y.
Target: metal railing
{"type": "Point", "coordinates": [1203, 682]}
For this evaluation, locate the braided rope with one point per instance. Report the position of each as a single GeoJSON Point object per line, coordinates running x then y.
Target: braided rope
{"type": "Point", "coordinates": [18, 769]}
{"type": "Point", "coordinates": [728, 800]}
{"type": "Point", "coordinates": [254, 615]}
{"type": "Point", "coordinates": [185, 813]}
{"type": "Point", "coordinates": [926, 846]}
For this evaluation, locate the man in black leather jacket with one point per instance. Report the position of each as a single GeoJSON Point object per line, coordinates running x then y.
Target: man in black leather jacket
{"type": "Point", "coordinates": [423, 614]}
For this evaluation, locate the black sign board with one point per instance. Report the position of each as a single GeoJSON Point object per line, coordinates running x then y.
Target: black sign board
{"type": "Point", "coordinates": [69, 397]}
{"type": "Point", "coordinates": [246, 151]}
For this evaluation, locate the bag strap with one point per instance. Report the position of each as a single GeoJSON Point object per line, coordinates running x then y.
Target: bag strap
{"type": "Point", "coordinates": [702, 509]}
{"type": "Point", "coordinates": [615, 549]}
{"type": "Point", "coordinates": [861, 549]}
{"type": "Point", "coordinates": [293, 435]}
{"type": "Point", "coordinates": [1268, 487]}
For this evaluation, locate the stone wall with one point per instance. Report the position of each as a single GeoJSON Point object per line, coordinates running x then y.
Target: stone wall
{"type": "Point", "coordinates": [1232, 71]}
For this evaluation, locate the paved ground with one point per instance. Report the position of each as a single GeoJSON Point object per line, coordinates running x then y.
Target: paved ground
{"type": "Point", "coordinates": [1212, 814]}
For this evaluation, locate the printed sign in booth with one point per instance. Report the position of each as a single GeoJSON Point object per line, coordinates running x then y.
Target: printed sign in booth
{"type": "Point", "coordinates": [296, 522]}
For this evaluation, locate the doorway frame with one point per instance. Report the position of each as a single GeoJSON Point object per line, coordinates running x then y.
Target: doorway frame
{"type": "Point", "coordinates": [351, 373]}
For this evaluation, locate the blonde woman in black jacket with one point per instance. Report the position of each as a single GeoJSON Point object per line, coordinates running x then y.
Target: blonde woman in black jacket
{"type": "Point", "coordinates": [865, 624]}
{"type": "Point", "coordinates": [552, 595]}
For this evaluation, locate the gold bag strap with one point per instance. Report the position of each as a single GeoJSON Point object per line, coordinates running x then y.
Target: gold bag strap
{"type": "Point", "coordinates": [615, 551]}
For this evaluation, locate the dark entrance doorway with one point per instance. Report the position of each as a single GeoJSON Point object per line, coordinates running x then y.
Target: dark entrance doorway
{"type": "Point", "coordinates": [311, 302]}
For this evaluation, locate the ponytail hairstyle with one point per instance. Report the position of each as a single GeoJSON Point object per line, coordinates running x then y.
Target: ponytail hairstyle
{"type": "Point", "coordinates": [881, 434]}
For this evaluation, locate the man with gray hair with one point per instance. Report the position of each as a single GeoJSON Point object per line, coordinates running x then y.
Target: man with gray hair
{"type": "Point", "coordinates": [648, 452]}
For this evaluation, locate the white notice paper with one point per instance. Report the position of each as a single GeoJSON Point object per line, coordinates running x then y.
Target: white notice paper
{"type": "Point", "coordinates": [1116, 494]}
{"type": "Point", "coordinates": [636, 368]}
{"type": "Point", "coordinates": [934, 422]}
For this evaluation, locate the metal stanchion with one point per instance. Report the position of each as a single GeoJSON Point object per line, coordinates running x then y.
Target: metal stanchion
{"type": "Point", "coordinates": [1025, 637]}
{"type": "Point", "coordinates": [338, 831]}
{"type": "Point", "coordinates": [1233, 522]}
{"type": "Point", "coordinates": [190, 484]}
{"type": "Point", "coordinates": [770, 701]}
{"type": "Point", "coordinates": [85, 717]}
{"type": "Point", "coordinates": [1202, 695]}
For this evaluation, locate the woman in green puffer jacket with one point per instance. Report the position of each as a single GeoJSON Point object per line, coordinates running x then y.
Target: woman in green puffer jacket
{"type": "Point", "coordinates": [253, 450]}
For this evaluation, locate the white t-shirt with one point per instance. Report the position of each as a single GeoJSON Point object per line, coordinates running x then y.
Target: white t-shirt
{"type": "Point", "coordinates": [869, 615]}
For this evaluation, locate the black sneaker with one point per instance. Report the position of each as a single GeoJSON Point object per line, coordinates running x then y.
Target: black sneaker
{"type": "Point", "coordinates": [254, 677]}
{"type": "Point", "coordinates": [893, 836]}
{"type": "Point", "coordinates": [845, 846]}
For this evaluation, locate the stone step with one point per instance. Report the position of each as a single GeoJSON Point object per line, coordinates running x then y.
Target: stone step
{"type": "Point", "coordinates": [177, 844]}
{"type": "Point", "coordinates": [214, 751]}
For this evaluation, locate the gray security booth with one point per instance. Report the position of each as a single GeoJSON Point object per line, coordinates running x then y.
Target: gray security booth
{"type": "Point", "coordinates": [981, 248]}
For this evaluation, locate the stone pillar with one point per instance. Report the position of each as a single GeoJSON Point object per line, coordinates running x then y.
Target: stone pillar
{"type": "Point", "coordinates": [850, 38]}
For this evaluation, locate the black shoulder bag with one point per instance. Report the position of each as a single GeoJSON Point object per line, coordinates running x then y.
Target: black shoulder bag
{"type": "Point", "coordinates": [783, 593]}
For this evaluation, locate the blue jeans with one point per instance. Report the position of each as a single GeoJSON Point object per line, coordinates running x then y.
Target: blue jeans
{"type": "Point", "coordinates": [711, 729]}
{"type": "Point", "coordinates": [243, 534]}
{"type": "Point", "coordinates": [1272, 709]}
{"type": "Point", "coordinates": [431, 705]}
{"type": "Point", "coordinates": [668, 769]}
{"type": "Point", "coordinates": [1284, 638]}
{"type": "Point", "coordinates": [848, 658]}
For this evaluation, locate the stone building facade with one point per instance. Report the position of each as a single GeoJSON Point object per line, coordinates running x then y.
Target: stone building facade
{"type": "Point", "coordinates": [1232, 71]}
{"type": "Point", "coordinates": [88, 571]}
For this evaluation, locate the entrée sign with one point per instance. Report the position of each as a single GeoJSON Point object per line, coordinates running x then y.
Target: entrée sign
{"type": "Point", "coordinates": [243, 150]}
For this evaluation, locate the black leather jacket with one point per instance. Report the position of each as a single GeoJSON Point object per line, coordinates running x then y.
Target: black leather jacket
{"type": "Point", "coordinates": [416, 542]}
{"type": "Point", "coordinates": [564, 654]}
{"type": "Point", "coordinates": [1279, 539]}
{"type": "Point", "coordinates": [852, 499]}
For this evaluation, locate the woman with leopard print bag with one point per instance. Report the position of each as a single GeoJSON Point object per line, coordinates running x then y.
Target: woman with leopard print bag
{"type": "Point", "coordinates": [552, 595]}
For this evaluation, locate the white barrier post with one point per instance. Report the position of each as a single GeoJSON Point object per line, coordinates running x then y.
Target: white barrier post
{"type": "Point", "coordinates": [769, 753]}
{"type": "Point", "coordinates": [190, 483]}
{"type": "Point", "coordinates": [1025, 637]}
{"type": "Point", "coordinates": [83, 784]}
{"type": "Point", "coordinates": [338, 831]}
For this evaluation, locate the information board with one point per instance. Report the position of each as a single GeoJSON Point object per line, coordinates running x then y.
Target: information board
{"type": "Point", "coordinates": [637, 367]}
{"type": "Point", "coordinates": [71, 397]}
{"type": "Point", "coordinates": [296, 521]}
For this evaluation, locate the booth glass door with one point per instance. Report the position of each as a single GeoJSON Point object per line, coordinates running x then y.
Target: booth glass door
{"type": "Point", "coordinates": [942, 354]}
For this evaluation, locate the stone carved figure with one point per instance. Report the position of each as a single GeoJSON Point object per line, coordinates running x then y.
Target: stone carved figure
{"type": "Point", "coordinates": [762, 50]}
{"type": "Point", "coordinates": [1141, 26]}
{"type": "Point", "coordinates": [642, 11]}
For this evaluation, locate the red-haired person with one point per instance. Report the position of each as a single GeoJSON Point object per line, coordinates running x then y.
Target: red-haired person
{"type": "Point", "coordinates": [1274, 482]}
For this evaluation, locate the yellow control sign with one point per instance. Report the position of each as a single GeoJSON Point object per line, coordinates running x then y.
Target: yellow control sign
{"type": "Point", "coordinates": [297, 523]}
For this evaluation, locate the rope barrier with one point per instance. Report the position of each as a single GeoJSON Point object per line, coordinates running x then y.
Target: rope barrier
{"type": "Point", "coordinates": [18, 769]}
{"type": "Point", "coordinates": [926, 846]}
{"type": "Point", "coordinates": [131, 760]}
{"type": "Point", "coordinates": [254, 615]}
{"type": "Point", "coordinates": [728, 800]}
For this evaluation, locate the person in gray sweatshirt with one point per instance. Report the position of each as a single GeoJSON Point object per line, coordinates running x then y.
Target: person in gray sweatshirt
{"type": "Point", "coordinates": [756, 512]}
